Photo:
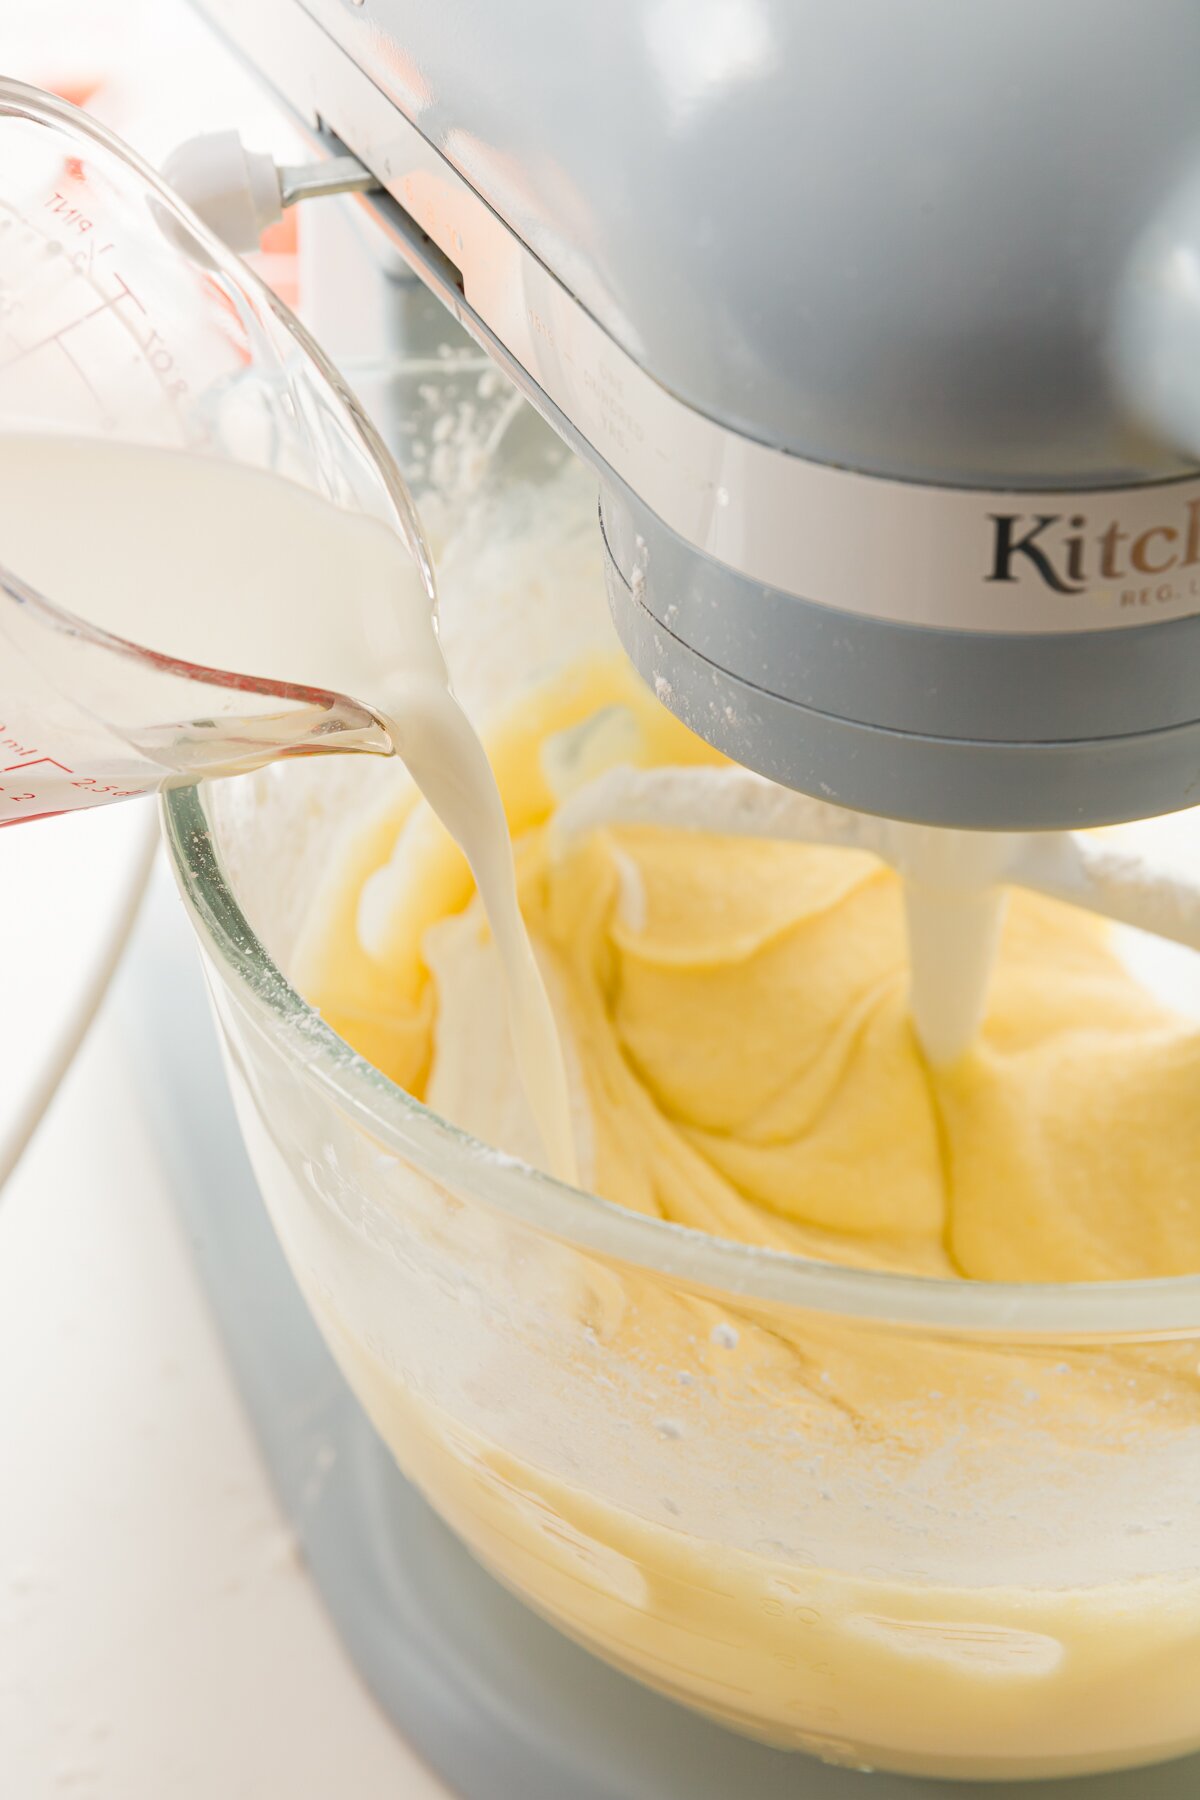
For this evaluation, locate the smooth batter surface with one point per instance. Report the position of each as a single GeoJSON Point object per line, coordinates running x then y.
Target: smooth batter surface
{"type": "Point", "coordinates": [742, 1061]}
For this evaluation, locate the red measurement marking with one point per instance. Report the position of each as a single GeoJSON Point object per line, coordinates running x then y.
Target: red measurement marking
{"type": "Point", "coordinates": [53, 337]}
{"type": "Point", "coordinates": [90, 785]}
{"type": "Point", "coordinates": [126, 291]}
{"type": "Point", "coordinates": [70, 215]}
{"type": "Point", "coordinates": [82, 260]}
{"type": "Point", "coordinates": [82, 373]}
{"type": "Point", "coordinates": [34, 763]}
{"type": "Point", "coordinates": [157, 354]}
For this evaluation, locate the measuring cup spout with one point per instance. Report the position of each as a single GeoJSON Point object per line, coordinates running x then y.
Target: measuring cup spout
{"type": "Point", "coordinates": [87, 717]}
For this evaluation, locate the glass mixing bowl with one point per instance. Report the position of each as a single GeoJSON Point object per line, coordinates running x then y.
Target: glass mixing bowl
{"type": "Point", "coordinates": [992, 1571]}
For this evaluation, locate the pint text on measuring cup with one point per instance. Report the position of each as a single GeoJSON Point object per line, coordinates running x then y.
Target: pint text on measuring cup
{"type": "Point", "coordinates": [187, 499]}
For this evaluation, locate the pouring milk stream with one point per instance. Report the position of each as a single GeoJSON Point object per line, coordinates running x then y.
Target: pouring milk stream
{"type": "Point", "coordinates": [233, 568]}
{"type": "Point", "coordinates": [229, 567]}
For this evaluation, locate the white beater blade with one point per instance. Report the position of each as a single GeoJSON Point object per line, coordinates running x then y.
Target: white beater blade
{"type": "Point", "coordinates": [954, 880]}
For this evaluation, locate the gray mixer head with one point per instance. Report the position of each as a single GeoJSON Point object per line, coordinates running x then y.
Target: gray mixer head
{"type": "Point", "coordinates": [880, 322]}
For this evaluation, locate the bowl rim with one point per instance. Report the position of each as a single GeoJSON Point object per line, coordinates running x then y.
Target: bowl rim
{"type": "Point", "coordinates": [1158, 1307]}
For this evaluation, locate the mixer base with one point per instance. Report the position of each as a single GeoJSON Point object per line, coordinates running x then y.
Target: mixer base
{"type": "Point", "coordinates": [495, 1701]}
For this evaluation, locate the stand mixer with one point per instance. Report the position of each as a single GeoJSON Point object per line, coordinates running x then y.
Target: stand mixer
{"type": "Point", "coordinates": [876, 324]}
{"type": "Point", "coordinates": [884, 497]}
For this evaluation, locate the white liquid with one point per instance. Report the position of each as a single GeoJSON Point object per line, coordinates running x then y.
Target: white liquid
{"type": "Point", "coordinates": [954, 881]}
{"type": "Point", "coordinates": [954, 909]}
{"type": "Point", "coordinates": [233, 568]}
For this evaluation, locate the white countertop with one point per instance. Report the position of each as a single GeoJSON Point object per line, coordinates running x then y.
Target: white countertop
{"type": "Point", "coordinates": [158, 1634]}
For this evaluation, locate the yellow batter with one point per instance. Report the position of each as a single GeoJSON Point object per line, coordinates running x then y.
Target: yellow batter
{"type": "Point", "coordinates": [736, 1024]}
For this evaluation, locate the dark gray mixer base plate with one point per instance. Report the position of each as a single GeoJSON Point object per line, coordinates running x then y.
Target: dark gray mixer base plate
{"type": "Point", "coordinates": [496, 1702]}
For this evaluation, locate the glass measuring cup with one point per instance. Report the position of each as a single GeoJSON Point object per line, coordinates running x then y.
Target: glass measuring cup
{"type": "Point", "coordinates": [123, 320]}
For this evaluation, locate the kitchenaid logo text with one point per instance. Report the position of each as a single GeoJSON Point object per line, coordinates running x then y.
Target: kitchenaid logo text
{"type": "Point", "coordinates": [1069, 556]}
